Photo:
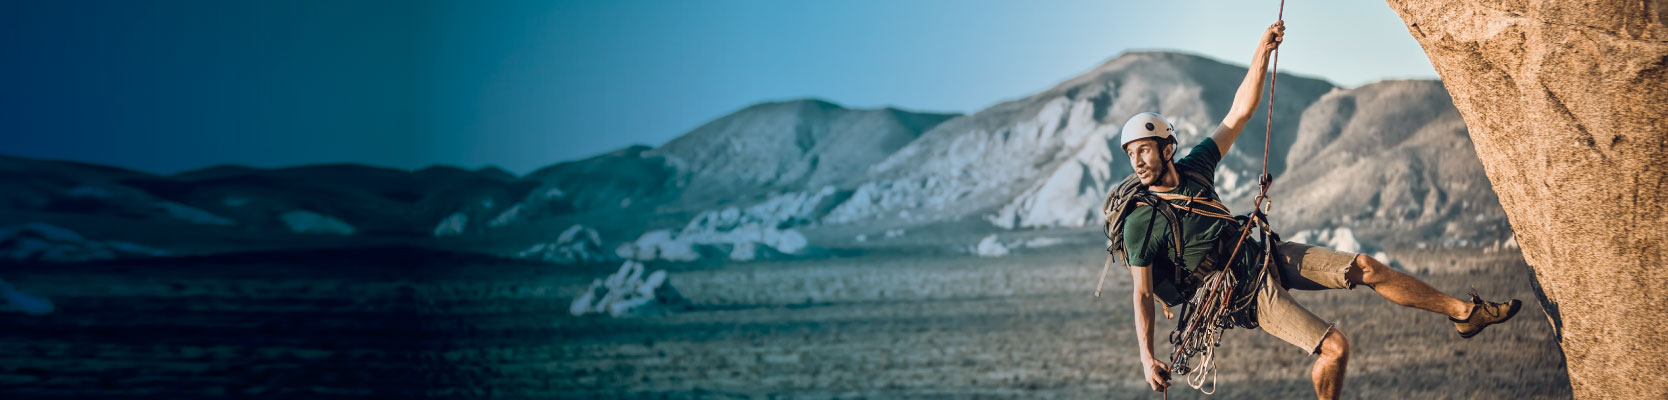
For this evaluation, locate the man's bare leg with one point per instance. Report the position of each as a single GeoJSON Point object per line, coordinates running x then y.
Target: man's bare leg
{"type": "Point", "coordinates": [1404, 290]}
{"type": "Point", "coordinates": [1329, 367]}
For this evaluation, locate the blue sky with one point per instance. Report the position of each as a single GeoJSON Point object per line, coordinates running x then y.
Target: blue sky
{"type": "Point", "coordinates": [169, 86]}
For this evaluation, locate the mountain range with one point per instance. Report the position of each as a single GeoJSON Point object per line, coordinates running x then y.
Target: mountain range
{"type": "Point", "coordinates": [1390, 160]}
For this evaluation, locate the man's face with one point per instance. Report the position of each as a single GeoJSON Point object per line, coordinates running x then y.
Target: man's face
{"type": "Point", "coordinates": [1148, 159]}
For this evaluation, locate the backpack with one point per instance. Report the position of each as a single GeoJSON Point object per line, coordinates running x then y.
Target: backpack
{"type": "Point", "coordinates": [1178, 286]}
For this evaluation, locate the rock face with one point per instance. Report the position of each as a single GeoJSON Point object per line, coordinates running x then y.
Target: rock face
{"type": "Point", "coordinates": [1565, 105]}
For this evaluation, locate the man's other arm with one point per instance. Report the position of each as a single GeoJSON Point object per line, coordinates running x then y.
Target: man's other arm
{"type": "Point", "coordinates": [1156, 373]}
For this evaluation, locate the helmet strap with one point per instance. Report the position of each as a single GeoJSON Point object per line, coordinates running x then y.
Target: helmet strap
{"type": "Point", "coordinates": [1169, 162]}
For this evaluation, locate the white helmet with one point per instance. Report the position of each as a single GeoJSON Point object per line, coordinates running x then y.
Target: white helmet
{"type": "Point", "coordinates": [1146, 125]}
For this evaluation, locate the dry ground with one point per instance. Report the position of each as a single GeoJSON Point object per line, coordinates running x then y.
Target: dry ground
{"type": "Point", "coordinates": [407, 322]}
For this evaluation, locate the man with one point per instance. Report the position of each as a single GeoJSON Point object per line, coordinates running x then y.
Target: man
{"type": "Point", "coordinates": [1150, 245]}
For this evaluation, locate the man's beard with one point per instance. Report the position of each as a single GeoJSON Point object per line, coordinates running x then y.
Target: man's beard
{"type": "Point", "coordinates": [1158, 177]}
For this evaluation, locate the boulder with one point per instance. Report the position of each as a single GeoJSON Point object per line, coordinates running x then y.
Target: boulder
{"type": "Point", "coordinates": [990, 247]}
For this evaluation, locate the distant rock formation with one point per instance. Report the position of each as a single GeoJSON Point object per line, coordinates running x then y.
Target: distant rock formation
{"type": "Point", "coordinates": [453, 225]}
{"type": "Point", "coordinates": [1344, 240]}
{"type": "Point", "coordinates": [790, 145]}
{"type": "Point", "coordinates": [768, 148]}
{"type": "Point", "coordinates": [1567, 105]}
{"type": "Point", "coordinates": [1390, 160]}
{"type": "Point", "coordinates": [214, 201]}
{"type": "Point", "coordinates": [990, 247]}
{"type": "Point", "coordinates": [1048, 159]}
{"type": "Point", "coordinates": [578, 244]}
{"type": "Point", "coordinates": [303, 221]}
{"type": "Point", "coordinates": [629, 293]}
{"type": "Point", "coordinates": [12, 300]}
{"type": "Point", "coordinates": [43, 242]}
{"type": "Point", "coordinates": [739, 240]}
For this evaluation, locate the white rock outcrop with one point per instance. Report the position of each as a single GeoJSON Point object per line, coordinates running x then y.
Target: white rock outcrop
{"type": "Point", "coordinates": [629, 293]}
{"type": "Point", "coordinates": [1340, 239]}
{"type": "Point", "coordinates": [1071, 194]}
{"type": "Point", "coordinates": [743, 243]}
{"type": "Point", "coordinates": [12, 300]}
{"type": "Point", "coordinates": [507, 217]}
{"type": "Point", "coordinates": [742, 234]}
{"type": "Point", "coordinates": [193, 215]}
{"type": "Point", "coordinates": [1344, 240]}
{"type": "Point", "coordinates": [43, 242]}
{"type": "Point", "coordinates": [301, 221]}
{"type": "Point", "coordinates": [453, 225]}
{"type": "Point", "coordinates": [577, 244]}
{"type": "Point", "coordinates": [990, 247]}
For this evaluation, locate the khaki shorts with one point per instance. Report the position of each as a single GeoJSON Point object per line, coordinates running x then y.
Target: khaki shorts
{"type": "Point", "coordinates": [1304, 267]}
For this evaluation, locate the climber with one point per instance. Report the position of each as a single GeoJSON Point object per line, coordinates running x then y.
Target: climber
{"type": "Point", "coordinates": [1207, 230]}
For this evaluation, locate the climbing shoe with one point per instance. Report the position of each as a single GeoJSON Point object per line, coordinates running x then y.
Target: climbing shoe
{"type": "Point", "coordinates": [1483, 314]}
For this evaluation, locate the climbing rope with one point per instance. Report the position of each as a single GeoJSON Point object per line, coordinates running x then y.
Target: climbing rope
{"type": "Point", "coordinates": [1213, 308]}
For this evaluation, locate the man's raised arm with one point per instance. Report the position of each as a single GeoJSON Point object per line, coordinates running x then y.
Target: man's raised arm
{"type": "Point", "coordinates": [1250, 90]}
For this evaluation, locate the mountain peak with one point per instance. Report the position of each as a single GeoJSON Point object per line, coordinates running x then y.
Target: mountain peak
{"type": "Point", "coordinates": [216, 171]}
{"type": "Point", "coordinates": [1153, 56]}
{"type": "Point", "coordinates": [807, 103]}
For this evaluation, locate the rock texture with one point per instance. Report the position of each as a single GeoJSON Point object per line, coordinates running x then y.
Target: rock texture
{"type": "Point", "coordinates": [1565, 105]}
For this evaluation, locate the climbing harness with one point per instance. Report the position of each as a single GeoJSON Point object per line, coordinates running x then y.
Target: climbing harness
{"type": "Point", "coordinates": [1213, 306]}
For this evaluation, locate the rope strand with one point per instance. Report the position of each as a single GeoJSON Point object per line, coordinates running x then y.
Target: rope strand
{"type": "Point", "coordinates": [1201, 330]}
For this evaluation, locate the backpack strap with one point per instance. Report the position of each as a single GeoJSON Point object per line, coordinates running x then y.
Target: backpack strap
{"type": "Point", "coordinates": [1181, 290]}
{"type": "Point", "coordinates": [1199, 177]}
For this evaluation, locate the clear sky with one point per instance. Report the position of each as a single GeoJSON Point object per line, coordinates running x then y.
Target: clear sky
{"type": "Point", "coordinates": [168, 86]}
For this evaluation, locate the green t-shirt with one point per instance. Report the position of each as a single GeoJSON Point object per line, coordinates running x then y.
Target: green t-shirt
{"type": "Point", "coordinates": [1199, 233]}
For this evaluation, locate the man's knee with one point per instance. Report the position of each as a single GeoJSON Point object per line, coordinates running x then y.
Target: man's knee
{"type": "Point", "coordinates": [1334, 345]}
{"type": "Point", "coordinates": [1367, 271]}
